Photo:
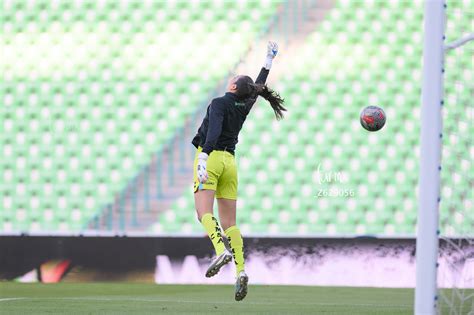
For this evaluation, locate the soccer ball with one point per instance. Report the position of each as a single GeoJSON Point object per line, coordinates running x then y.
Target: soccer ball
{"type": "Point", "coordinates": [372, 118]}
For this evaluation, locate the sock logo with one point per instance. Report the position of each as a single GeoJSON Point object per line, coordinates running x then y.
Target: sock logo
{"type": "Point", "coordinates": [233, 254]}
{"type": "Point", "coordinates": [218, 230]}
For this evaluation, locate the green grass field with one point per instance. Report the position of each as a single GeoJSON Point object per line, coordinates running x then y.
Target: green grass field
{"type": "Point", "coordinates": [122, 298]}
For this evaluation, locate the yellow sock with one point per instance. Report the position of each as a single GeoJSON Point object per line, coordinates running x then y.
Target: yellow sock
{"type": "Point", "coordinates": [237, 244]}
{"type": "Point", "coordinates": [214, 231]}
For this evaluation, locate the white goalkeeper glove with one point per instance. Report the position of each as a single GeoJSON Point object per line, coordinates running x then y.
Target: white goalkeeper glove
{"type": "Point", "coordinates": [201, 169]}
{"type": "Point", "coordinates": [272, 50]}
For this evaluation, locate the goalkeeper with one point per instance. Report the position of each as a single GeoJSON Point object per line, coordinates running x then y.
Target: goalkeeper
{"type": "Point", "coordinates": [215, 170]}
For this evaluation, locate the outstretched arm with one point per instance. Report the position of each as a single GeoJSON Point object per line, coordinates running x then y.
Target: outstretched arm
{"type": "Point", "coordinates": [272, 50]}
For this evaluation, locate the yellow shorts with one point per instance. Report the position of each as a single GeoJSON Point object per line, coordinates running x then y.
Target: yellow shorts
{"type": "Point", "coordinates": [222, 174]}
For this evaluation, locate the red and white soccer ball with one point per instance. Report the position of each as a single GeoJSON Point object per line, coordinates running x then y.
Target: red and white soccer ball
{"type": "Point", "coordinates": [372, 118]}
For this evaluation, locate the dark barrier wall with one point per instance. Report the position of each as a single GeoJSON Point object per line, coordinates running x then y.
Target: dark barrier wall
{"type": "Point", "coordinates": [20, 254]}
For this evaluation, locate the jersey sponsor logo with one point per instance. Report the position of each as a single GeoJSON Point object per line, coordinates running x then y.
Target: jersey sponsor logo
{"type": "Point", "coordinates": [200, 186]}
{"type": "Point", "coordinates": [240, 104]}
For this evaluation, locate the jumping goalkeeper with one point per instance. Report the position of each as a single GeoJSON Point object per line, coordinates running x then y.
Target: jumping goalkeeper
{"type": "Point", "coordinates": [215, 170]}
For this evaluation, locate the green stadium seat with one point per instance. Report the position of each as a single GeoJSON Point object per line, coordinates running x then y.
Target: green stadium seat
{"type": "Point", "coordinates": [100, 105]}
{"type": "Point", "coordinates": [90, 127]}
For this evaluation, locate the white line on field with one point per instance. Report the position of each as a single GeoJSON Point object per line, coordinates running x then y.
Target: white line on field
{"type": "Point", "coordinates": [120, 298]}
{"type": "Point", "coordinates": [11, 299]}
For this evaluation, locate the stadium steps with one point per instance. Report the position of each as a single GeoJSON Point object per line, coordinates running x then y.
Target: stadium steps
{"type": "Point", "coordinates": [291, 40]}
{"type": "Point", "coordinates": [149, 194]}
{"type": "Point", "coordinates": [315, 14]}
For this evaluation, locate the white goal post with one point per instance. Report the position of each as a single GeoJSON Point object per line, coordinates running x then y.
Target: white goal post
{"type": "Point", "coordinates": [426, 299]}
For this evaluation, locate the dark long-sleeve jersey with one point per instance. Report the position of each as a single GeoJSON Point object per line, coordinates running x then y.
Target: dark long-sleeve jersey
{"type": "Point", "coordinates": [224, 119]}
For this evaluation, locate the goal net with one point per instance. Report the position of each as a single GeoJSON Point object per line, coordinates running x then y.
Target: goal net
{"type": "Point", "coordinates": [456, 219]}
